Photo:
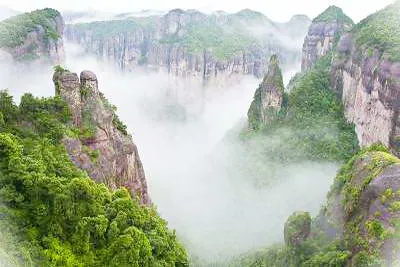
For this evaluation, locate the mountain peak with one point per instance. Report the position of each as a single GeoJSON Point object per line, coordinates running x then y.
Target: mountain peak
{"type": "Point", "coordinates": [334, 14]}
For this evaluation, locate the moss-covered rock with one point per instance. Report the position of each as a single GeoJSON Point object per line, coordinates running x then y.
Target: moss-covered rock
{"type": "Point", "coordinates": [297, 228]}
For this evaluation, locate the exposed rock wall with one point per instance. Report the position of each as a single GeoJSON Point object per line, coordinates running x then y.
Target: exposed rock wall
{"type": "Point", "coordinates": [322, 35]}
{"type": "Point", "coordinates": [101, 148]}
{"type": "Point", "coordinates": [363, 208]}
{"type": "Point", "coordinates": [268, 98]}
{"type": "Point", "coordinates": [369, 86]}
{"type": "Point", "coordinates": [157, 44]}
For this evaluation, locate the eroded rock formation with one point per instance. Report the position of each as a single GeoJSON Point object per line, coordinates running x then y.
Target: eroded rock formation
{"type": "Point", "coordinates": [268, 98]}
{"type": "Point", "coordinates": [363, 208]}
{"type": "Point", "coordinates": [100, 144]}
{"type": "Point", "coordinates": [322, 35]}
{"type": "Point", "coordinates": [367, 78]}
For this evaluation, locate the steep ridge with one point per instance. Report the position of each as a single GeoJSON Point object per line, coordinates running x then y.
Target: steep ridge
{"type": "Point", "coordinates": [366, 75]}
{"type": "Point", "coordinates": [190, 43]}
{"type": "Point", "coordinates": [323, 34]}
{"type": "Point", "coordinates": [101, 145]}
{"type": "Point", "coordinates": [34, 36]}
{"type": "Point", "coordinates": [268, 98]}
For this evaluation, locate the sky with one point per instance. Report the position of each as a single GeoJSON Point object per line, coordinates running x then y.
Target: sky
{"type": "Point", "coordinates": [278, 10]}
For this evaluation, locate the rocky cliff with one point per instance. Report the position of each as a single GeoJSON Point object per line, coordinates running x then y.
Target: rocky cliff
{"type": "Point", "coordinates": [190, 43]}
{"type": "Point", "coordinates": [366, 75]}
{"type": "Point", "coordinates": [323, 34]}
{"type": "Point", "coordinates": [363, 209]}
{"type": "Point", "coordinates": [268, 98]}
{"type": "Point", "coordinates": [34, 36]}
{"type": "Point", "coordinates": [100, 144]}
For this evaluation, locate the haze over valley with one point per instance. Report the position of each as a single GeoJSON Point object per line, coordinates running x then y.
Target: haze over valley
{"type": "Point", "coordinates": [199, 138]}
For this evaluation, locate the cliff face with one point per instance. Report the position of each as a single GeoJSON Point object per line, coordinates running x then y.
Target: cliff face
{"type": "Point", "coordinates": [363, 208]}
{"type": "Point", "coordinates": [322, 35]}
{"type": "Point", "coordinates": [100, 144]}
{"type": "Point", "coordinates": [189, 43]}
{"type": "Point", "coordinates": [268, 98]}
{"type": "Point", "coordinates": [34, 36]}
{"type": "Point", "coordinates": [366, 75]}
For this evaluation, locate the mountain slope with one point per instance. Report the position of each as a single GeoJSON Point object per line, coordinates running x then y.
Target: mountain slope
{"type": "Point", "coordinates": [51, 212]}
{"type": "Point", "coordinates": [34, 36]}
{"type": "Point", "coordinates": [366, 76]}
{"type": "Point", "coordinates": [323, 34]}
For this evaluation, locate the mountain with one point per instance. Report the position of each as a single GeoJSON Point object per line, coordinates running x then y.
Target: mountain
{"type": "Point", "coordinates": [359, 223]}
{"type": "Point", "coordinates": [190, 43]}
{"type": "Point", "coordinates": [72, 187]}
{"type": "Point", "coordinates": [268, 98]}
{"type": "Point", "coordinates": [34, 36]}
{"type": "Point", "coordinates": [323, 34]}
{"type": "Point", "coordinates": [365, 74]}
{"type": "Point", "coordinates": [100, 144]}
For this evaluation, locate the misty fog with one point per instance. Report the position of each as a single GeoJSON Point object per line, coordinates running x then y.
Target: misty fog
{"type": "Point", "coordinates": [178, 125]}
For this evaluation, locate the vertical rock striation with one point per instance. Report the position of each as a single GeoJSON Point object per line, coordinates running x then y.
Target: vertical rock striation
{"type": "Point", "coordinates": [268, 98]}
{"type": "Point", "coordinates": [322, 35]}
{"type": "Point", "coordinates": [192, 44]}
{"type": "Point", "coordinates": [100, 145]}
{"type": "Point", "coordinates": [366, 75]}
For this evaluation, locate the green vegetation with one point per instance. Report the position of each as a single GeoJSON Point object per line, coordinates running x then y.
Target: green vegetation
{"type": "Point", "coordinates": [222, 39]}
{"type": "Point", "coordinates": [380, 31]}
{"type": "Point", "coordinates": [272, 83]}
{"type": "Point", "coordinates": [52, 214]}
{"type": "Point", "coordinates": [116, 120]}
{"type": "Point", "coordinates": [312, 125]}
{"type": "Point", "coordinates": [334, 241]}
{"type": "Point", "coordinates": [14, 30]}
{"type": "Point", "coordinates": [334, 14]}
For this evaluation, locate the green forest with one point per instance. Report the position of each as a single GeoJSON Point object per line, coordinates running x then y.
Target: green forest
{"type": "Point", "coordinates": [53, 214]}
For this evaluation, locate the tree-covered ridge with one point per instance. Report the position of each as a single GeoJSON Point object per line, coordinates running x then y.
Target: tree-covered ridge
{"type": "Point", "coordinates": [334, 14]}
{"type": "Point", "coordinates": [14, 30]}
{"type": "Point", "coordinates": [381, 31]}
{"type": "Point", "coordinates": [60, 217]}
{"type": "Point", "coordinates": [311, 123]}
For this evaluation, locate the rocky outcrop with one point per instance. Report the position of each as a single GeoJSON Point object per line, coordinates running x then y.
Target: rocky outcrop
{"type": "Point", "coordinates": [297, 229]}
{"type": "Point", "coordinates": [322, 35]}
{"type": "Point", "coordinates": [34, 36]}
{"type": "Point", "coordinates": [366, 75]}
{"type": "Point", "coordinates": [268, 98]}
{"type": "Point", "coordinates": [363, 208]}
{"type": "Point", "coordinates": [190, 43]}
{"type": "Point", "coordinates": [100, 144]}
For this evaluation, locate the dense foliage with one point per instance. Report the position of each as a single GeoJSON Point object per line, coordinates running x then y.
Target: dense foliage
{"type": "Point", "coordinates": [53, 214]}
{"type": "Point", "coordinates": [381, 31]}
{"type": "Point", "coordinates": [13, 31]}
{"type": "Point", "coordinates": [334, 14]}
{"type": "Point", "coordinates": [312, 124]}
